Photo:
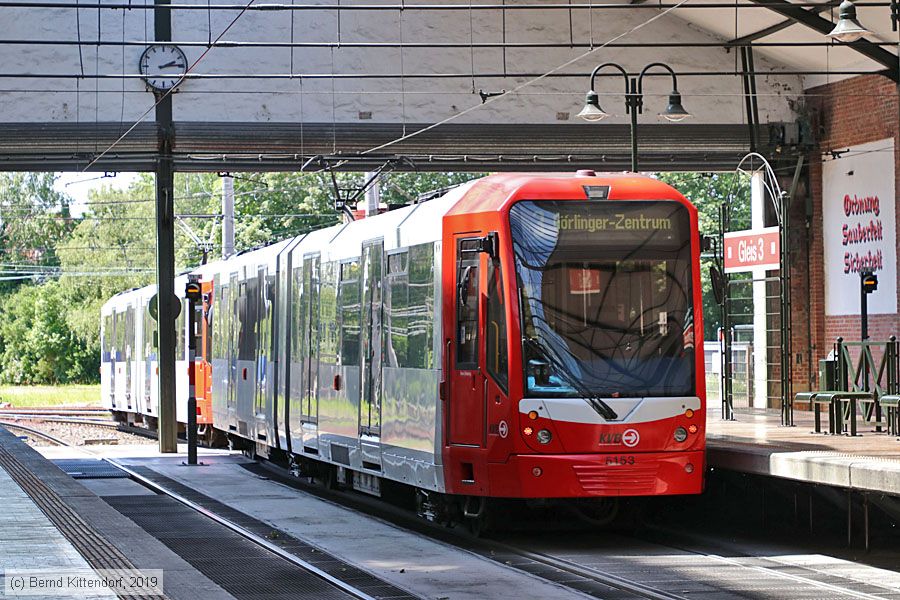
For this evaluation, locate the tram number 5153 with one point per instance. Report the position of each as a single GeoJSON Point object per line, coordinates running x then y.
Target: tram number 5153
{"type": "Point", "coordinates": [620, 460]}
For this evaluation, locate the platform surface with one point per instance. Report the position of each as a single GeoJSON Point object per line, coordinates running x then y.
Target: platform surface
{"type": "Point", "coordinates": [425, 567]}
{"type": "Point", "coordinates": [757, 443]}
{"type": "Point", "coordinates": [48, 520]}
{"type": "Point", "coordinates": [28, 540]}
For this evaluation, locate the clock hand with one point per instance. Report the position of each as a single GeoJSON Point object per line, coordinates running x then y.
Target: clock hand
{"type": "Point", "coordinates": [174, 63]}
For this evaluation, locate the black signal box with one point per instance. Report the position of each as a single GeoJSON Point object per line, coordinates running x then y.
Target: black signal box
{"type": "Point", "coordinates": [869, 282]}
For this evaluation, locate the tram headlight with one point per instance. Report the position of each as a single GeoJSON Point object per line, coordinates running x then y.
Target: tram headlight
{"type": "Point", "coordinates": [544, 436]}
{"type": "Point", "coordinates": [680, 434]}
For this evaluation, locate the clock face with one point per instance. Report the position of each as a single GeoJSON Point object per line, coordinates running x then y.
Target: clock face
{"type": "Point", "coordinates": [163, 66]}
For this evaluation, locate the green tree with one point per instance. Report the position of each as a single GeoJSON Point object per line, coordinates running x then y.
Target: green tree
{"type": "Point", "coordinates": [708, 192]}
{"type": "Point", "coordinates": [113, 247]}
{"type": "Point", "coordinates": [37, 344]}
{"type": "Point", "coordinates": [34, 220]}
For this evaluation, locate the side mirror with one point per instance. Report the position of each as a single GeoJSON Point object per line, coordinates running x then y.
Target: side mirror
{"type": "Point", "coordinates": [718, 283]}
{"type": "Point", "coordinates": [707, 242]}
{"type": "Point", "coordinates": [490, 244]}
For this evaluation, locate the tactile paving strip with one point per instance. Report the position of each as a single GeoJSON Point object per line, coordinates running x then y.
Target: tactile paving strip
{"type": "Point", "coordinates": [240, 567]}
{"type": "Point", "coordinates": [96, 549]}
{"type": "Point", "coordinates": [360, 579]}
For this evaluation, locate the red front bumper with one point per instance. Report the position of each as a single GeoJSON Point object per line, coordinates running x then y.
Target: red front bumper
{"type": "Point", "coordinates": [584, 475]}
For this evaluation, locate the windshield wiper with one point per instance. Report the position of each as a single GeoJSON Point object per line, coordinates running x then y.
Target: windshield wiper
{"type": "Point", "coordinates": [593, 400]}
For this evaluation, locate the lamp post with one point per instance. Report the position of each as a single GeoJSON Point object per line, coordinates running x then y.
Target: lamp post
{"type": "Point", "coordinates": [848, 28]}
{"type": "Point", "coordinates": [634, 102]}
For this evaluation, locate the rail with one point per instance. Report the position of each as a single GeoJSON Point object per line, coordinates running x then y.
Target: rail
{"type": "Point", "coordinates": [258, 540]}
{"type": "Point", "coordinates": [243, 532]}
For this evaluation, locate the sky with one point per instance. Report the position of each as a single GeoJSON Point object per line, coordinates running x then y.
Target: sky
{"type": "Point", "coordinates": [78, 185]}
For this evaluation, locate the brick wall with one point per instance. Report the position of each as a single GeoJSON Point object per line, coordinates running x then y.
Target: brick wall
{"type": "Point", "coordinates": [846, 113]}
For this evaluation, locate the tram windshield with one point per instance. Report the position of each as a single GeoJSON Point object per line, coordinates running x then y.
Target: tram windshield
{"type": "Point", "coordinates": [605, 297]}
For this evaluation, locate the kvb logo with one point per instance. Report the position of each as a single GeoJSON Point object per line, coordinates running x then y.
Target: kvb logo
{"type": "Point", "coordinates": [630, 437]}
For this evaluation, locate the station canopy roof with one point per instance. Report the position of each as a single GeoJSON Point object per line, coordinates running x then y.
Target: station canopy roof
{"type": "Point", "coordinates": [766, 23]}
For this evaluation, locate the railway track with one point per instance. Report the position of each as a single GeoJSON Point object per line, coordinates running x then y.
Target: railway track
{"type": "Point", "coordinates": [348, 589]}
{"type": "Point", "coordinates": [12, 418]}
{"type": "Point", "coordinates": [51, 411]}
{"type": "Point", "coordinates": [243, 532]}
{"type": "Point", "coordinates": [578, 573]}
{"type": "Point", "coordinates": [34, 432]}
{"type": "Point", "coordinates": [574, 572]}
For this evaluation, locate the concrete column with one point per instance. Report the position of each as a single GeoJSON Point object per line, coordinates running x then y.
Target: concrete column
{"type": "Point", "coordinates": [760, 349]}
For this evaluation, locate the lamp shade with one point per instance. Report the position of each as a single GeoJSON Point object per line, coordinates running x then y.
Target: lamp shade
{"type": "Point", "coordinates": [674, 110]}
{"type": "Point", "coordinates": [592, 110]}
{"type": "Point", "coordinates": [848, 28]}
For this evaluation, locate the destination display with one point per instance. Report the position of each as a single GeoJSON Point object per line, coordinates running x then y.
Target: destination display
{"type": "Point", "coordinates": [646, 225]}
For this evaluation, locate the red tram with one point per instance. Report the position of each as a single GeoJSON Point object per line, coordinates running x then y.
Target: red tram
{"type": "Point", "coordinates": [523, 336]}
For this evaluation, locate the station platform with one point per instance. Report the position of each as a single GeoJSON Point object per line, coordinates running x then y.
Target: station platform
{"type": "Point", "coordinates": [132, 526]}
{"type": "Point", "coordinates": [756, 443]}
{"type": "Point", "coordinates": [50, 521]}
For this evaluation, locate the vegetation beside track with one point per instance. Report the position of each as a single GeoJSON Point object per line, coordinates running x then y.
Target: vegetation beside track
{"type": "Point", "coordinates": [41, 396]}
{"type": "Point", "coordinates": [58, 269]}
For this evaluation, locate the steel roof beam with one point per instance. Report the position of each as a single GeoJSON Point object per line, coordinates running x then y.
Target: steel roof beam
{"type": "Point", "coordinates": [824, 26]}
{"type": "Point", "coordinates": [758, 35]}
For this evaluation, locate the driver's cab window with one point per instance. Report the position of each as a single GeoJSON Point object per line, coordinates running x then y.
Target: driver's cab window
{"type": "Point", "coordinates": [467, 261]}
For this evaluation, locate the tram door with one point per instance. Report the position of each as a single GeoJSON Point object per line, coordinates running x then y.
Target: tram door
{"type": "Point", "coordinates": [371, 349]}
{"type": "Point", "coordinates": [466, 406]}
{"type": "Point", "coordinates": [113, 344]}
{"type": "Point", "coordinates": [130, 354]}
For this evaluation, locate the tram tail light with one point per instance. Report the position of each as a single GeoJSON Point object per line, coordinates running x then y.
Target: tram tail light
{"type": "Point", "coordinates": [689, 413]}
{"type": "Point", "coordinates": [528, 431]}
{"type": "Point", "coordinates": [533, 415]}
{"type": "Point", "coordinates": [692, 429]}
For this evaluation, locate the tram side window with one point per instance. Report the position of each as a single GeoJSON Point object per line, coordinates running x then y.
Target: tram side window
{"type": "Point", "coordinates": [104, 336]}
{"type": "Point", "coordinates": [349, 293]}
{"type": "Point", "coordinates": [328, 332]}
{"type": "Point", "coordinates": [209, 328]}
{"type": "Point", "coordinates": [120, 336]}
{"type": "Point", "coordinates": [467, 304]}
{"type": "Point", "coordinates": [420, 354]}
{"type": "Point", "coordinates": [180, 332]}
{"type": "Point", "coordinates": [297, 310]}
{"type": "Point", "coordinates": [497, 358]}
{"type": "Point", "coordinates": [129, 333]}
{"type": "Point", "coordinates": [396, 311]}
{"type": "Point", "coordinates": [218, 315]}
{"type": "Point", "coordinates": [248, 315]}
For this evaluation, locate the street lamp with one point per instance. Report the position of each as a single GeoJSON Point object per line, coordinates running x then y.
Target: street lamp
{"type": "Point", "coordinates": [634, 102]}
{"type": "Point", "coordinates": [848, 29]}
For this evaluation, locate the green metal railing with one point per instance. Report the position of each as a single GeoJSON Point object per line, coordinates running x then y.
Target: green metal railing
{"type": "Point", "coordinates": [875, 368]}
